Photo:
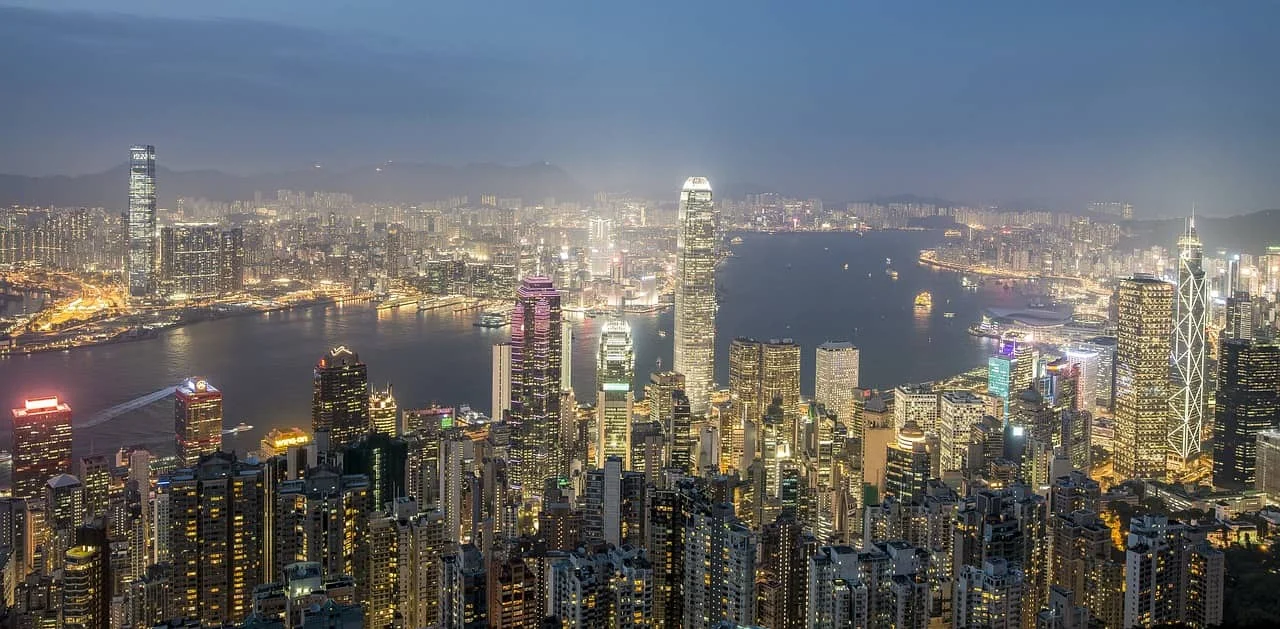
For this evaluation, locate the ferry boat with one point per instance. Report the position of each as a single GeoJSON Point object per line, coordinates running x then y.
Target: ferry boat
{"type": "Point", "coordinates": [491, 320]}
{"type": "Point", "coordinates": [948, 315]}
{"type": "Point", "coordinates": [241, 427]}
{"type": "Point", "coordinates": [924, 301]}
{"type": "Point", "coordinates": [891, 273]}
{"type": "Point", "coordinates": [737, 240]}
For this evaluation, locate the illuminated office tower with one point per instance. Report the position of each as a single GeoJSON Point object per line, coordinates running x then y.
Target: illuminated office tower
{"type": "Point", "coordinates": [63, 513]}
{"type": "Point", "coordinates": [95, 472]}
{"type": "Point", "coordinates": [695, 319]}
{"type": "Point", "coordinates": [908, 464]}
{"type": "Point", "coordinates": [1010, 370]}
{"type": "Point", "coordinates": [536, 355]}
{"type": "Point", "coordinates": [615, 370]}
{"type": "Point", "coordinates": [780, 380]}
{"type": "Point", "coordinates": [600, 242]}
{"type": "Point", "coordinates": [566, 357]}
{"type": "Point", "coordinates": [958, 412]}
{"type": "Point", "coordinates": [41, 445]}
{"type": "Point", "coordinates": [660, 393]}
{"type": "Point", "coordinates": [197, 419]}
{"type": "Point", "coordinates": [83, 595]}
{"type": "Point", "coordinates": [501, 381]}
{"type": "Point", "coordinates": [1242, 317]}
{"type": "Point", "coordinates": [746, 404]}
{"type": "Point", "coordinates": [217, 537]}
{"type": "Point", "coordinates": [1144, 331]}
{"type": "Point", "coordinates": [141, 259]}
{"type": "Point", "coordinates": [191, 260]}
{"type": "Point", "coordinates": [1268, 472]}
{"type": "Point", "coordinates": [1089, 361]}
{"type": "Point", "coordinates": [836, 378]}
{"type": "Point", "coordinates": [231, 260]}
{"type": "Point", "coordinates": [682, 432]}
{"type": "Point", "coordinates": [1247, 403]}
{"type": "Point", "coordinates": [340, 397]}
{"type": "Point", "coordinates": [384, 413]}
{"type": "Point", "coordinates": [1191, 318]}
{"type": "Point", "coordinates": [916, 403]}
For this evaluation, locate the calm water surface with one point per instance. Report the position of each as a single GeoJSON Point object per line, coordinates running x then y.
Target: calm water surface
{"type": "Point", "coordinates": [781, 285]}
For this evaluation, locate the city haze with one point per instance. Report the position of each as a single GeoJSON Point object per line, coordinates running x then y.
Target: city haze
{"type": "Point", "coordinates": [1160, 104]}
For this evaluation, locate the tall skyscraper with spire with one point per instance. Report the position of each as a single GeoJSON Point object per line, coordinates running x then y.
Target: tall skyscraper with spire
{"type": "Point", "coordinates": [695, 324]}
{"type": "Point", "coordinates": [140, 262]}
{"type": "Point", "coordinates": [536, 357]}
{"type": "Point", "coordinates": [1143, 335]}
{"type": "Point", "coordinates": [1191, 317]}
{"type": "Point", "coordinates": [615, 371]}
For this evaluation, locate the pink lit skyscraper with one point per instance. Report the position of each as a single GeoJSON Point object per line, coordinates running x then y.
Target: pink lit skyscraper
{"type": "Point", "coordinates": [41, 445]}
{"type": "Point", "coordinates": [536, 360]}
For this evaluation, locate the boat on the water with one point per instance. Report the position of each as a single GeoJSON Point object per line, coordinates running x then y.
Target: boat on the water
{"type": "Point", "coordinates": [924, 301]}
{"type": "Point", "coordinates": [241, 427]}
{"type": "Point", "coordinates": [491, 320]}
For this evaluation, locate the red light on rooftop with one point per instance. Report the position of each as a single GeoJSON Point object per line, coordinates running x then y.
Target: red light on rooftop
{"type": "Point", "coordinates": [42, 404]}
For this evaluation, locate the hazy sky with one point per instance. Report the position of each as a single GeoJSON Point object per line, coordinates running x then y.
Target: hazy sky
{"type": "Point", "coordinates": [1160, 102]}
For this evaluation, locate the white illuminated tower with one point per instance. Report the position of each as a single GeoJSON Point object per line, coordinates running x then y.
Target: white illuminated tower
{"type": "Point", "coordinates": [140, 261]}
{"type": "Point", "coordinates": [1190, 321]}
{"type": "Point", "coordinates": [615, 371]}
{"type": "Point", "coordinates": [836, 377]}
{"type": "Point", "coordinates": [695, 324]}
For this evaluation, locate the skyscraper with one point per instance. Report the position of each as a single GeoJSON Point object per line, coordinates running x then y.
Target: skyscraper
{"type": "Point", "coordinates": [959, 411]}
{"type": "Point", "coordinates": [197, 419]}
{"type": "Point", "coordinates": [1247, 403]}
{"type": "Point", "coordinates": [780, 380]}
{"type": "Point", "coordinates": [41, 445]}
{"type": "Point", "coordinates": [695, 319]}
{"type": "Point", "coordinates": [501, 381]}
{"type": "Point", "coordinates": [1189, 347]}
{"type": "Point", "coordinates": [216, 537]}
{"type": "Point", "coordinates": [340, 397]}
{"type": "Point", "coordinates": [719, 568]}
{"type": "Point", "coordinates": [615, 371]}
{"type": "Point", "coordinates": [191, 260]}
{"type": "Point", "coordinates": [83, 596]}
{"type": "Point", "coordinates": [835, 378]}
{"type": "Point", "coordinates": [384, 413]}
{"type": "Point", "coordinates": [746, 406]}
{"type": "Point", "coordinates": [141, 260]}
{"type": "Point", "coordinates": [1143, 348]}
{"type": "Point", "coordinates": [536, 353]}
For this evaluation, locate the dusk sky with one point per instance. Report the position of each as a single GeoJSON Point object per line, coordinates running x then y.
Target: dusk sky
{"type": "Point", "coordinates": [1161, 103]}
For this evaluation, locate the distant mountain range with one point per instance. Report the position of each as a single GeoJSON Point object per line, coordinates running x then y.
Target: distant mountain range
{"type": "Point", "coordinates": [1248, 233]}
{"type": "Point", "coordinates": [388, 183]}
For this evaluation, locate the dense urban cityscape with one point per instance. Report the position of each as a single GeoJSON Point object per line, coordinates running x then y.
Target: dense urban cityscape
{"type": "Point", "coordinates": [1114, 463]}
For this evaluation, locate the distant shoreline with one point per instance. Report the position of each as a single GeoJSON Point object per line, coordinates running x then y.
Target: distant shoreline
{"type": "Point", "coordinates": [204, 315]}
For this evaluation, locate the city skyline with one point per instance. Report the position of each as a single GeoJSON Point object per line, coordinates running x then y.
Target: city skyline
{"type": "Point", "coordinates": [745, 405]}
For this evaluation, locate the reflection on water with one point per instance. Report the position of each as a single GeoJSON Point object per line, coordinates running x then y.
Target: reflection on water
{"type": "Point", "coordinates": [263, 363]}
